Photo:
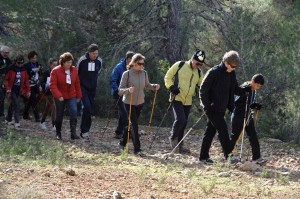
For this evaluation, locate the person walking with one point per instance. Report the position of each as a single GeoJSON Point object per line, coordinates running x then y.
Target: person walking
{"type": "Point", "coordinates": [182, 79]}
{"type": "Point", "coordinates": [65, 88]}
{"type": "Point", "coordinates": [216, 95]}
{"type": "Point", "coordinates": [50, 105]}
{"type": "Point", "coordinates": [132, 85]}
{"type": "Point", "coordinates": [5, 62]}
{"type": "Point", "coordinates": [243, 108]}
{"type": "Point", "coordinates": [115, 79]}
{"type": "Point", "coordinates": [16, 82]}
{"type": "Point", "coordinates": [89, 67]}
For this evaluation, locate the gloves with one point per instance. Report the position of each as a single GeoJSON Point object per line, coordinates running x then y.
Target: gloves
{"type": "Point", "coordinates": [174, 90]}
{"type": "Point", "coordinates": [256, 106]}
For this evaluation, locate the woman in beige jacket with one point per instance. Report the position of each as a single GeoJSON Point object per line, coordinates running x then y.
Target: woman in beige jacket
{"type": "Point", "coordinates": [133, 82]}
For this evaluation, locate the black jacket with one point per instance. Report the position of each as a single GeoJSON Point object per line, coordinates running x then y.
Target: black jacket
{"type": "Point", "coordinates": [32, 74]}
{"type": "Point", "coordinates": [4, 65]}
{"type": "Point", "coordinates": [88, 79]}
{"type": "Point", "coordinates": [218, 88]}
{"type": "Point", "coordinates": [45, 76]}
{"type": "Point", "coordinates": [240, 101]}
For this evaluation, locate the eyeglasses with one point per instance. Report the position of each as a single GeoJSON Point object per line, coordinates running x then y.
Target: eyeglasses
{"type": "Point", "coordinates": [20, 62]}
{"type": "Point", "coordinates": [140, 63]}
{"type": "Point", "coordinates": [232, 66]}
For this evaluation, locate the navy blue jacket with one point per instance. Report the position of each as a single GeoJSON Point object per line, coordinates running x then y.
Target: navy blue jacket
{"type": "Point", "coordinates": [32, 75]}
{"type": "Point", "coordinates": [116, 76]}
{"type": "Point", "coordinates": [88, 79]}
{"type": "Point", "coordinates": [240, 101]}
{"type": "Point", "coordinates": [218, 88]}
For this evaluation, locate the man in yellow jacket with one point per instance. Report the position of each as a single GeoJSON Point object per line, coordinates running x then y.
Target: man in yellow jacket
{"type": "Point", "coordinates": [182, 79]}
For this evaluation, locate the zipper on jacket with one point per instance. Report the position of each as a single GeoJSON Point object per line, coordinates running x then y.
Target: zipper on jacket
{"type": "Point", "coordinates": [189, 87]}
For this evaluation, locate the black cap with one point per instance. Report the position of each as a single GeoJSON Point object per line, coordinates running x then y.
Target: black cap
{"type": "Point", "coordinates": [199, 56]}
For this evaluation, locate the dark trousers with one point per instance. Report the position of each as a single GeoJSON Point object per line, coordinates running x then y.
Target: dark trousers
{"type": "Point", "coordinates": [237, 121]}
{"type": "Point", "coordinates": [87, 103]}
{"type": "Point", "coordinates": [2, 98]}
{"type": "Point", "coordinates": [181, 114]}
{"type": "Point", "coordinates": [123, 117]}
{"type": "Point", "coordinates": [13, 108]}
{"type": "Point", "coordinates": [135, 113]}
{"type": "Point", "coordinates": [72, 109]}
{"type": "Point", "coordinates": [32, 102]}
{"type": "Point", "coordinates": [216, 122]}
{"type": "Point", "coordinates": [50, 107]}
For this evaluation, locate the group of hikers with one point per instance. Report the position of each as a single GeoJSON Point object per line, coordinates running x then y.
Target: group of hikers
{"type": "Point", "coordinates": [62, 86]}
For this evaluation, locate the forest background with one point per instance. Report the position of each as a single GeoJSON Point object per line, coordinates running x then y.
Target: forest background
{"type": "Point", "coordinates": [264, 32]}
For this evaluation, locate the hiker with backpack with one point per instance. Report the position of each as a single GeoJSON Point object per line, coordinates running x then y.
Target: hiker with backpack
{"type": "Point", "coordinates": [132, 85]}
{"type": "Point", "coordinates": [182, 79]}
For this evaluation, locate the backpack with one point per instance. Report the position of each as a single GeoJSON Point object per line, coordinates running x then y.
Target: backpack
{"type": "Point", "coordinates": [176, 80]}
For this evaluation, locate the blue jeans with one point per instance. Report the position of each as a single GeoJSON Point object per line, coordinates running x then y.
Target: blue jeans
{"type": "Point", "coordinates": [87, 103]}
{"type": "Point", "coordinates": [123, 117]}
{"type": "Point", "coordinates": [181, 114]}
{"type": "Point", "coordinates": [72, 109]}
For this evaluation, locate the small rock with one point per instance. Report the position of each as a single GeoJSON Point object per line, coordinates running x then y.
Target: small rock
{"type": "Point", "coordinates": [249, 166]}
{"type": "Point", "coordinates": [184, 191]}
{"type": "Point", "coordinates": [273, 140]}
{"type": "Point", "coordinates": [46, 174]}
{"type": "Point", "coordinates": [285, 173]}
{"type": "Point", "coordinates": [224, 174]}
{"type": "Point", "coordinates": [9, 170]}
{"type": "Point", "coordinates": [29, 171]}
{"type": "Point", "coordinates": [2, 181]}
{"type": "Point", "coordinates": [152, 197]}
{"type": "Point", "coordinates": [117, 195]}
{"type": "Point", "coordinates": [71, 172]}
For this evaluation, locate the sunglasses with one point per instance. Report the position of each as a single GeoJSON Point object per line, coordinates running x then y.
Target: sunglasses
{"type": "Point", "coordinates": [140, 63]}
{"type": "Point", "coordinates": [20, 62]}
{"type": "Point", "coordinates": [232, 66]}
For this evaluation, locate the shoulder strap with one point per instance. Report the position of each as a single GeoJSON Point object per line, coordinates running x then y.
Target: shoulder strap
{"type": "Point", "coordinates": [176, 80]}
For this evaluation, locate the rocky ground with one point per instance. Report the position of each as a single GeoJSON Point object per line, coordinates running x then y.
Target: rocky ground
{"type": "Point", "coordinates": [97, 169]}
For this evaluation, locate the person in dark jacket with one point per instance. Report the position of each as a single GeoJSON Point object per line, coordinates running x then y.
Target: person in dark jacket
{"type": "Point", "coordinates": [89, 67]}
{"type": "Point", "coordinates": [50, 106]}
{"type": "Point", "coordinates": [5, 62]}
{"type": "Point", "coordinates": [243, 112]}
{"type": "Point", "coordinates": [115, 79]}
{"type": "Point", "coordinates": [216, 95]}
{"type": "Point", "coordinates": [65, 88]}
{"type": "Point", "coordinates": [16, 82]}
{"type": "Point", "coordinates": [34, 71]}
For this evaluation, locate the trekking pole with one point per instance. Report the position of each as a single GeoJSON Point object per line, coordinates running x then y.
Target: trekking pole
{"type": "Point", "coordinates": [154, 137]}
{"type": "Point", "coordinates": [256, 117]}
{"type": "Point", "coordinates": [243, 133]}
{"type": "Point", "coordinates": [109, 115]}
{"type": "Point", "coordinates": [184, 136]}
{"type": "Point", "coordinates": [128, 129]}
{"type": "Point", "coordinates": [150, 120]}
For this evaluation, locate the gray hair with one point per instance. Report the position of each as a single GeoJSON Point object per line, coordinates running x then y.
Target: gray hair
{"type": "Point", "coordinates": [4, 48]}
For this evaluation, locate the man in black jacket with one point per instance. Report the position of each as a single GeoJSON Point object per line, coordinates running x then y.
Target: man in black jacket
{"type": "Point", "coordinates": [217, 94]}
{"type": "Point", "coordinates": [88, 66]}
{"type": "Point", "coordinates": [5, 62]}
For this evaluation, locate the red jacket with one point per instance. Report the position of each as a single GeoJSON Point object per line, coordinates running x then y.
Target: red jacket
{"type": "Point", "coordinates": [9, 80]}
{"type": "Point", "coordinates": [59, 87]}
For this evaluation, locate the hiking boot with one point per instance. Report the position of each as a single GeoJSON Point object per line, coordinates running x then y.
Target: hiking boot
{"type": "Point", "coordinates": [43, 126]}
{"type": "Point", "coordinates": [74, 136]}
{"type": "Point", "coordinates": [9, 122]}
{"type": "Point", "coordinates": [173, 142]}
{"type": "Point", "coordinates": [182, 149]}
{"type": "Point", "coordinates": [207, 161]}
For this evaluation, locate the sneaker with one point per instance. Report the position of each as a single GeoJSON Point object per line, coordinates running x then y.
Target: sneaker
{"type": "Point", "coordinates": [43, 126]}
{"type": "Point", "coordinates": [85, 135]}
{"type": "Point", "coordinates": [17, 125]}
{"type": "Point", "coordinates": [9, 122]}
{"type": "Point", "coordinates": [259, 161]}
{"type": "Point", "coordinates": [173, 142]}
{"type": "Point", "coordinates": [121, 147]}
{"type": "Point", "coordinates": [53, 128]}
{"type": "Point", "coordinates": [139, 153]}
{"type": "Point", "coordinates": [232, 160]}
{"type": "Point", "coordinates": [207, 161]}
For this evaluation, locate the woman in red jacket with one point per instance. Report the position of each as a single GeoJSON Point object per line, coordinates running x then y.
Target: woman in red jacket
{"type": "Point", "coordinates": [65, 88]}
{"type": "Point", "coordinates": [16, 82]}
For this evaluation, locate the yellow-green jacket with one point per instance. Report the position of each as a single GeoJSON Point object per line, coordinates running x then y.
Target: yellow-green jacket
{"type": "Point", "coordinates": [188, 78]}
